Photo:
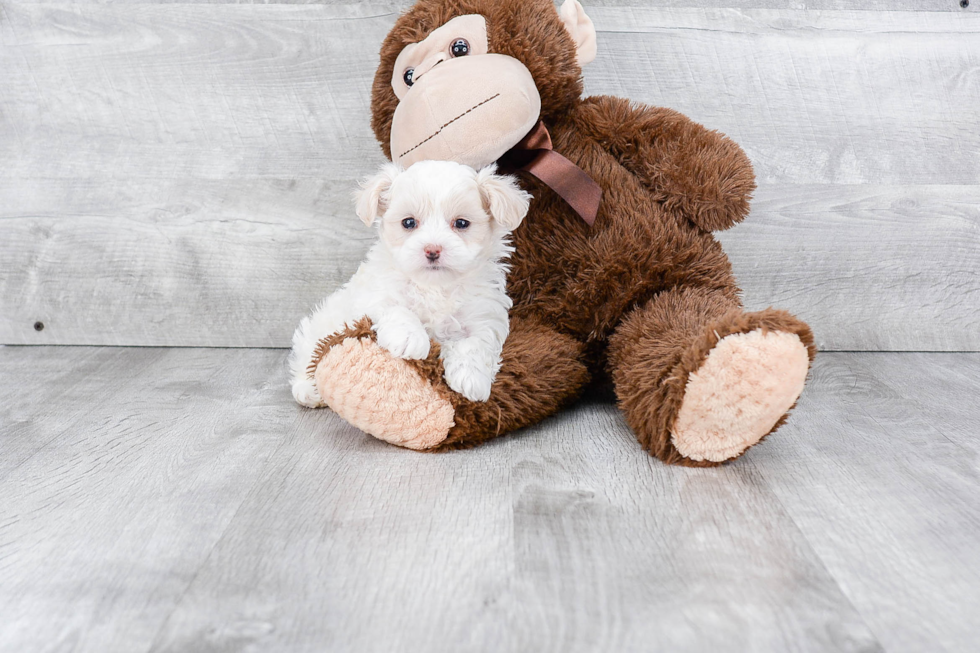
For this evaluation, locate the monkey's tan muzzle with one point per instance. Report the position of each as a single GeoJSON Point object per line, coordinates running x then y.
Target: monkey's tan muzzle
{"type": "Point", "coordinates": [469, 110]}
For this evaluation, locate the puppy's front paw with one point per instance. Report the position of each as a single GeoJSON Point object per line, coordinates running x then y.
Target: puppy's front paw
{"type": "Point", "coordinates": [305, 393]}
{"type": "Point", "coordinates": [404, 342]}
{"type": "Point", "coordinates": [468, 379]}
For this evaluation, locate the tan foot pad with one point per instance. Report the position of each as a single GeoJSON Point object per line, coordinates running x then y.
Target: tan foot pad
{"type": "Point", "coordinates": [746, 383]}
{"type": "Point", "coordinates": [382, 395]}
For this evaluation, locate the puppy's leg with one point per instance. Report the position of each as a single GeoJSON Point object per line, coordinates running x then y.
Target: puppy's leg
{"type": "Point", "coordinates": [328, 318]}
{"type": "Point", "coordinates": [401, 332]}
{"type": "Point", "coordinates": [303, 387]}
{"type": "Point", "coordinates": [472, 363]}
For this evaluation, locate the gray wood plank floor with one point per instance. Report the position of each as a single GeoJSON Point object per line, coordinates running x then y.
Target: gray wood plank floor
{"type": "Point", "coordinates": [176, 500]}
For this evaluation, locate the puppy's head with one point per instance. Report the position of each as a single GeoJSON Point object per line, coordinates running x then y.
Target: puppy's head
{"type": "Point", "coordinates": [442, 217]}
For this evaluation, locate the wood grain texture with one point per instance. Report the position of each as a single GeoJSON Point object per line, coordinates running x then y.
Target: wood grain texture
{"type": "Point", "coordinates": [386, 551]}
{"type": "Point", "coordinates": [103, 527]}
{"type": "Point", "coordinates": [812, 97]}
{"type": "Point", "coordinates": [201, 262]}
{"type": "Point", "coordinates": [617, 552]}
{"type": "Point", "coordinates": [202, 511]}
{"type": "Point", "coordinates": [884, 268]}
{"type": "Point", "coordinates": [180, 174]}
{"type": "Point", "coordinates": [876, 439]}
{"type": "Point", "coordinates": [218, 263]}
{"type": "Point", "coordinates": [809, 5]}
{"type": "Point", "coordinates": [855, 5]}
{"type": "Point", "coordinates": [555, 541]}
{"type": "Point", "coordinates": [199, 509]}
{"type": "Point", "coordinates": [943, 391]}
{"type": "Point", "coordinates": [78, 379]}
{"type": "Point", "coordinates": [165, 92]}
{"type": "Point", "coordinates": [283, 90]}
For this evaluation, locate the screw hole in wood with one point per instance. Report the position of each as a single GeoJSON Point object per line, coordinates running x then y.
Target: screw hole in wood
{"type": "Point", "coordinates": [39, 326]}
{"type": "Point", "coordinates": [964, 3]}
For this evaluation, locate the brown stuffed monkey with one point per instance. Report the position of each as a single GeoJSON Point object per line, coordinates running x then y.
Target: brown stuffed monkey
{"type": "Point", "coordinates": [644, 294]}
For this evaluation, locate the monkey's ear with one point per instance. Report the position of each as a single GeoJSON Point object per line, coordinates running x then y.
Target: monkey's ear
{"type": "Point", "coordinates": [371, 199]}
{"type": "Point", "coordinates": [508, 204]}
{"type": "Point", "coordinates": [581, 28]}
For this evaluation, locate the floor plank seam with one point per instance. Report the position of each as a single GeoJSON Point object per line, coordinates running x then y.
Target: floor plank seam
{"type": "Point", "coordinates": [258, 478]}
{"type": "Point", "coordinates": [760, 470]}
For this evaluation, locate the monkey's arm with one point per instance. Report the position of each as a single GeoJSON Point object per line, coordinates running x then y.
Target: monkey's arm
{"type": "Point", "coordinates": [693, 171]}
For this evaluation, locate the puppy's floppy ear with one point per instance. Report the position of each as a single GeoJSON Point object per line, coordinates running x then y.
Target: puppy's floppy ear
{"type": "Point", "coordinates": [371, 198]}
{"type": "Point", "coordinates": [508, 204]}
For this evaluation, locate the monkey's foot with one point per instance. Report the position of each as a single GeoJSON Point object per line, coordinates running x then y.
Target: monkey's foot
{"type": "Point", "coordinates": [740, 393]}
{"type": "Point", "coordinates": [380, 394]}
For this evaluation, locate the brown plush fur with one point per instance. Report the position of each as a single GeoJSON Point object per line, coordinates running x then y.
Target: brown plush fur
{"type": "Point", "coordinates": [658, 346]}
{"type": "Point", "coordinates": [648, 280]}
{"type": "Point", "coordinates": [542, 371]}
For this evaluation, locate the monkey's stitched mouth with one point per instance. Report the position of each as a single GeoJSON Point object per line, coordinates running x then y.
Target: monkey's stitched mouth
{"type": "Point", "coordinates": [438, 131]}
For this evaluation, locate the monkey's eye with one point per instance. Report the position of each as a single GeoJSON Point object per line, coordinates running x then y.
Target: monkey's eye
{"type": "Point", "coordinates": [408, 76]}
{"type": "Point", "coordinates": [409, 223]}
{"type": "Point", "coordinates": [460, 48]}
{"type": "Point", "coordinates": [460, 223]}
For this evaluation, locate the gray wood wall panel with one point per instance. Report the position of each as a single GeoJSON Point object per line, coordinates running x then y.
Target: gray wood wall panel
{"type": "Point", "coordinates": [813, 97]}
{"type": "Point", "coordinates": [855, 5]}
{"type": "Point", "coordinates": [180, 174]}
{"type": "Point", "coordinates": [166, 92]}
{"type": "Point", "coordinates": [220, 262]}
{"type": "Point", "coordinates": [870, 267]}
{"type": "Point", "coordinates": [283, 90]}
{"type": "Point", "coordinates": [200, 262]}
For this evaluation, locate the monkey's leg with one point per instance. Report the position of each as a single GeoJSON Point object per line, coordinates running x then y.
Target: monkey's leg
{"type": "Point", "coordinates": [700, 381]}
{"type": "Point", "coordinates": [408, 403]}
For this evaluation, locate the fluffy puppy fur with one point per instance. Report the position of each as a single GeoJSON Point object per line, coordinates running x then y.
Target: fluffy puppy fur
{"type": "Point", "coordinates": [436, 272]}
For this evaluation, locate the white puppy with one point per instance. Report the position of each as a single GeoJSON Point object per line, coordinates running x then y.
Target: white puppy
{"type": "Point", "coordinates": [436, 272]}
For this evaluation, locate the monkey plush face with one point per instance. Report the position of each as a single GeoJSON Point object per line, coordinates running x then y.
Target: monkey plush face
{"type": "Point", "coordinates": [443, 114]}
{"type": "Point", "coordinates": [465, 80]}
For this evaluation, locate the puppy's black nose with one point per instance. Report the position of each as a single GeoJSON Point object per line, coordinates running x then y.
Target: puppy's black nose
{"type": "Point", "coordinates": [432, 252]}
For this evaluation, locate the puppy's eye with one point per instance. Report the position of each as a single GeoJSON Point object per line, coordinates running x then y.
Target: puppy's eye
{"type": "Point", "coordinates": [460, 48]}
{"type": "Point", "coordinates": [409, 74]}
{"type": "Point", "coordinates": [409, 223]}
{"type": "Point", "coordinates": [460, 223]}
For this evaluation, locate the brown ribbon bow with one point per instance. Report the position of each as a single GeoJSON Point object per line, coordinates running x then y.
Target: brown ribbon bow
{"type": "Point", "coordinates": [534, 154]}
